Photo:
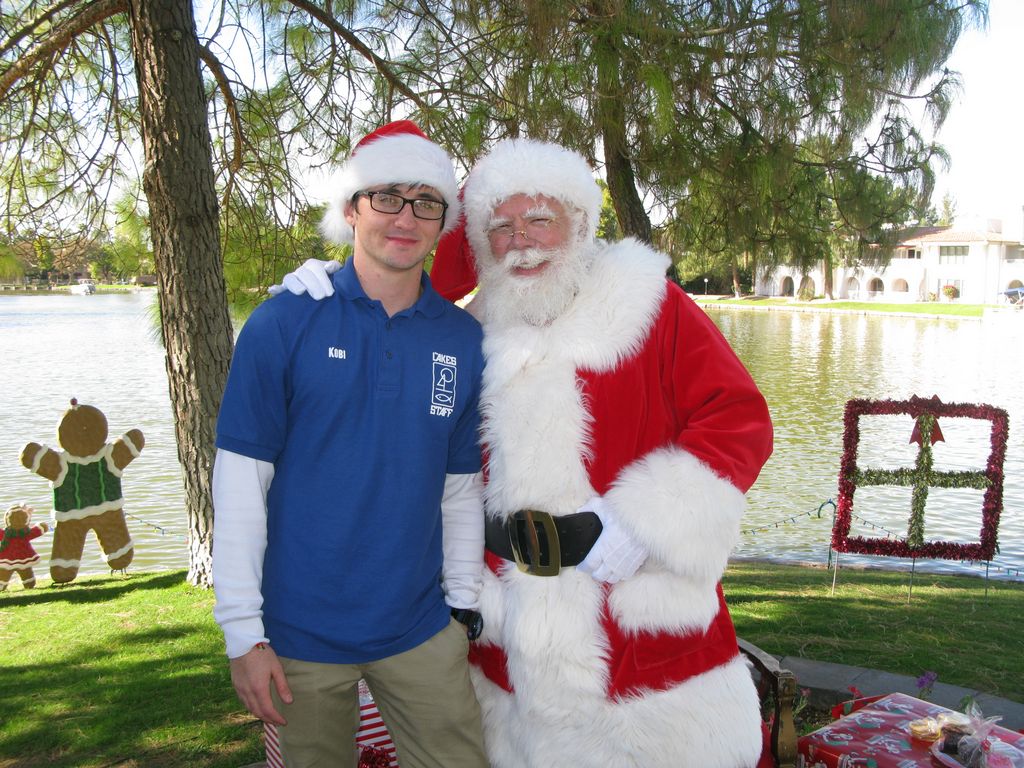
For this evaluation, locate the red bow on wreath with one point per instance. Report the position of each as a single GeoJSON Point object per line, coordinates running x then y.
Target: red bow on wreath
{"type": "Point", "coordinates": [936, 434]}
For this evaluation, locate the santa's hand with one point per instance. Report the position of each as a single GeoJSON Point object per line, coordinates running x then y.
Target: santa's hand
{"type": "Point", "coordinates": [615, 555]}
{"type": "Point", "coordinates": [313, 277]}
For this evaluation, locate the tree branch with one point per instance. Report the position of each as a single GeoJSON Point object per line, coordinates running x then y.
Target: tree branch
{"type": "Point", "coordinates": [350, 37]}
{"type": "Point", "coordinates": [62, 34]}
{"type": "Point", "coordinates": [33, 24]}
{"type": "Point", "coordinates": [230, 104]}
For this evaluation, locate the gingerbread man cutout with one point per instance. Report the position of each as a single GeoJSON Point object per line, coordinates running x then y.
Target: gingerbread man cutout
{"type": "Point", "coordinates": [16, 552]}
{"type": "Point", "coordinates": [86, 481]}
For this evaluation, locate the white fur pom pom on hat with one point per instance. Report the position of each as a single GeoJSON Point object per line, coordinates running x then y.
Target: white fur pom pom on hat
{"type": "Point", "coordinates": [396, 153]}
{"type": "Point", "coordinates": [529, 167]}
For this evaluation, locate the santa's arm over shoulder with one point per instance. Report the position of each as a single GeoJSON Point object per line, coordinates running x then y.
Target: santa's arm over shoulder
{"type": "Point", "coordinates": [684, 499]}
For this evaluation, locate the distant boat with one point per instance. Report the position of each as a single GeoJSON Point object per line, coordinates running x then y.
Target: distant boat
{"type": "Point", "coordinates": [83, 289]}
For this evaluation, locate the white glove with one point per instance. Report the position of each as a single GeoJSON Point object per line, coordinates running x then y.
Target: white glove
{"type": "Point", "coordinates": [314, 277]}
{"type": "Point", "coordinates": [615, 555]}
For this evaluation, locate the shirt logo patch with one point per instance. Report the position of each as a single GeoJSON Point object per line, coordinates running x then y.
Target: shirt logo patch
{"type": "Point", "coordinates": [442, 396]}
{"type": "Point", "coordinates": [336, 353]}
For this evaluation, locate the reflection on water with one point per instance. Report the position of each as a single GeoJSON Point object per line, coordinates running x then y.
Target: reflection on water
{"type": "Point", "coordinates": [100, 349]}
{"type": "Point", "coordinates": [809, 364]}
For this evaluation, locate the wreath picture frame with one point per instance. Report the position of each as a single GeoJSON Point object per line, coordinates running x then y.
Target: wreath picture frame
{"type": "Point", "coordinates": [920, 478]}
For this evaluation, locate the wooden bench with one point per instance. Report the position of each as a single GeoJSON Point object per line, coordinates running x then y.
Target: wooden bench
{"type": "Point", "coordinates": [776, 687]}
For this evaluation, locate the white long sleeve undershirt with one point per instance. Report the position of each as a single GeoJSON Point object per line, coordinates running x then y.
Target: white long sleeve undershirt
{"type": "Point", "coordinates": [240, 486]}
{"type": "Point", "coordinates": [462, 527]}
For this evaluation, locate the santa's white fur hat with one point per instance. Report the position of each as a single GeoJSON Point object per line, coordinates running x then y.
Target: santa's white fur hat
{"type": "Point", "coordinates": [529, 167]}
{"type": "Point", "coordinates": [396, 153]}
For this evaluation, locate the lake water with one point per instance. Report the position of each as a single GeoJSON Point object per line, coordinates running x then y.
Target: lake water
{"type": "Point", "coordinates": [808, 365]}
{"type": "Point", "coordinates": [100, 349]}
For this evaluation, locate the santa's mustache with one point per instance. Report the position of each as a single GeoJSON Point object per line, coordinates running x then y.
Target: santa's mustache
{"type": "Point", "coordinates": [525, 258]}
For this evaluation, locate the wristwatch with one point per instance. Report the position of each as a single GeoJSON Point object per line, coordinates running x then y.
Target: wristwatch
{"type": "Point", "coordinates": [472, 620]}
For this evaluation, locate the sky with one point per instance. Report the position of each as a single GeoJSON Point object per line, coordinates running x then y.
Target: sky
{"type": "Point", "coordinates": [984, 132]}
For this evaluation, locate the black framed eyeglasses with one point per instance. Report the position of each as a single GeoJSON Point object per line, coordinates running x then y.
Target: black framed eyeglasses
{"type": "Point", "coordinates": [389, 202]}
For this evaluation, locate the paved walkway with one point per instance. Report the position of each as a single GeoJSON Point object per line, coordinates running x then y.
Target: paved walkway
{"type": "Point", "coordinates": [829, 684]}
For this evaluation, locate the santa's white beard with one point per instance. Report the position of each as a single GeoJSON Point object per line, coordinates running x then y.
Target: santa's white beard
{"type": "Point", "coordinates": [534, 299]}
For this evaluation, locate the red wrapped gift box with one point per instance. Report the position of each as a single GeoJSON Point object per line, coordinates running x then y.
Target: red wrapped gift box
{"type": "Point", "coordinates": [878, 736]}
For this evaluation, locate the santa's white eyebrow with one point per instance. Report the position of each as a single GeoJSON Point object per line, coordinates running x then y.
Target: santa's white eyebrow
{"type": "Point", "coordinates": [540, 211]}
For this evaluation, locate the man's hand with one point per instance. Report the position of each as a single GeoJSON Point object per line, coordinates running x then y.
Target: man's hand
{"type": "Point", "coordinates": [615, 555]}
{"type": "Point", "coordinates": [313, 277]}
{"type": "Point", "coordinates": [252, 676]}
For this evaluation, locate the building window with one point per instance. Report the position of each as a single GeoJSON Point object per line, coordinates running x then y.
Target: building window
{"type": "Point", "coordinates": [953, 254]}
{"type": "Point", "coordinates": [912, 253]}
{"type": "Point", "coordinates": [942, 285]}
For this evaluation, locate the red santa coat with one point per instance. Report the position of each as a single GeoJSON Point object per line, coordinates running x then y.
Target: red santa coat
{"type": "Point", "coordinates": [632, 394]}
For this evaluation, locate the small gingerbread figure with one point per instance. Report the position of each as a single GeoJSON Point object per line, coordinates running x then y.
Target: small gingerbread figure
{"type": "Point", "coordinates": [16, 552]}
{"type": "Point", "coordinates": [86, 481]}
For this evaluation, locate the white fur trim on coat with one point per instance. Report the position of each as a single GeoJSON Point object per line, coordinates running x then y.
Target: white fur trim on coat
{"type": "Point", "coordinates": [709, 721]}
{"type": "Point", "coordinates": [394, 159]}
{"type": "Point", "coordinates": [688, 517]}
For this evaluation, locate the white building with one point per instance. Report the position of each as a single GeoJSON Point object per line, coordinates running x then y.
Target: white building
{"type": "Point", "coordinates": [976, 259]}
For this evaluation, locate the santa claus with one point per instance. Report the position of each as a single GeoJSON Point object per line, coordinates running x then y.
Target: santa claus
{"type": "Point", "coordinates": [621, 434]}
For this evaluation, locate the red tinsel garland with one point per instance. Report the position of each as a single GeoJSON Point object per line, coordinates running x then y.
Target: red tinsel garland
{"type": "Point", "coordinates": [374, 757]}
{"type": "Point", "coordinates": [992, 503]}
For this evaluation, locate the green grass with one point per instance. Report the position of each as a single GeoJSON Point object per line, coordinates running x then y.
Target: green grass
{"type": "Point", "coordinates": [949, 626]}
{"type": "Point", "coordinates": [916, 308]}
{"type": "Point", "coordinates": [118, 671]}
{"type": "Point", "coordinates": [130, 671]}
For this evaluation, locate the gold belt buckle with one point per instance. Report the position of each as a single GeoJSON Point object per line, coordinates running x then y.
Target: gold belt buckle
{"type": "Point", "coordinates": [535, 567]}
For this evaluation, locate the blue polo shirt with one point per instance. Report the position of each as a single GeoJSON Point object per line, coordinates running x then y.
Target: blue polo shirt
{"type": "Point", "coordinates": [362, 416]}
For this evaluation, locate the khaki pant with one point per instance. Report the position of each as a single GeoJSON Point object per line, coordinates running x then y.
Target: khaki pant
{"type": "Point", "coordinates": [424, 696]}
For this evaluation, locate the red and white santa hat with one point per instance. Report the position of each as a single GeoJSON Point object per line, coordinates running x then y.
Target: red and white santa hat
{"type": "Point", "coordinates": [396, 153]}
{"type": "Point", "coordinates": [513, 167]}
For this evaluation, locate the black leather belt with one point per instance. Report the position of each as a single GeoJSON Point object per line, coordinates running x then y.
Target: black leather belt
{"type": "Point", "coordinates": [541, 544]}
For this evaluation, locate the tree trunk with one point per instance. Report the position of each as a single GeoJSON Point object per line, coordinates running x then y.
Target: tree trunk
{"type": "Point", "coordinates": [826, 271]}
{"type": "Point", "coordinates": [178, 181]}
{"type": "Point", "coordinates": [736, 291]}
{"type": "Point", "coordinates": [611, 116]}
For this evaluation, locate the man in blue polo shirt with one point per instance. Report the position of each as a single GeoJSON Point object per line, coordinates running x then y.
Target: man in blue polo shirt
{"type": "Point", "coordinates": [347, 464]}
